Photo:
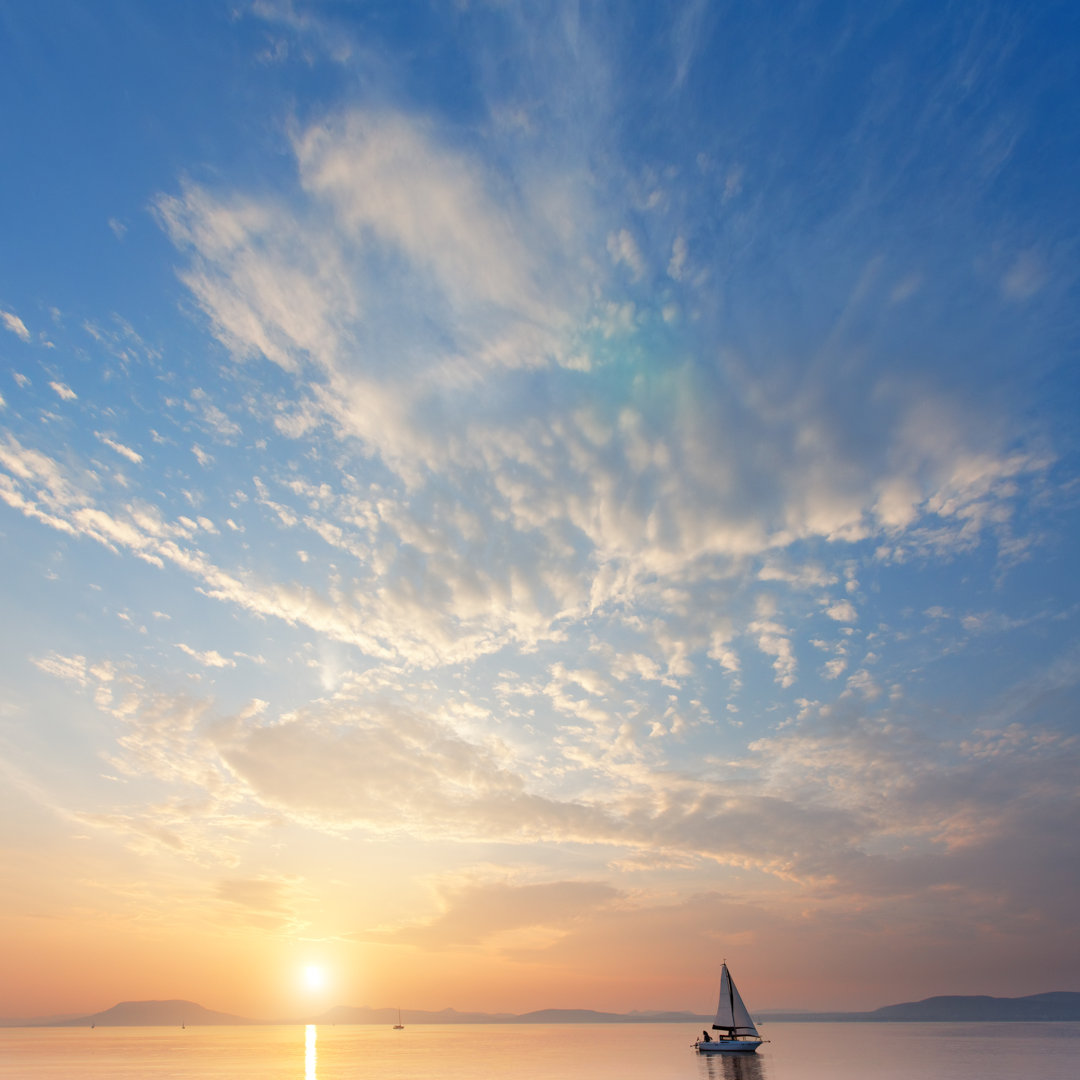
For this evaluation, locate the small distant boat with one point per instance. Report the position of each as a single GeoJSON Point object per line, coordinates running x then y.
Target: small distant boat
{"type": "Point", "coordinates": [738, 1035]}
{"type": "Point", "coordinates": [399, 1026]}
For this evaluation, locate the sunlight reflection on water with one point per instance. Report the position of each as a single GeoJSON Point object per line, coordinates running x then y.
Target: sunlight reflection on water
{"type": "Point", "coordinates": [309, 1052]}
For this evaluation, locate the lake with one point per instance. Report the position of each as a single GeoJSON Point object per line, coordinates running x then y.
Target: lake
{"type": "Point", "coordinates": [552, 1052]}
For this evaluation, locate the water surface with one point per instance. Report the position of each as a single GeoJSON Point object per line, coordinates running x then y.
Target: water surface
{"type": "Point", "coordinates": [548, 1051]}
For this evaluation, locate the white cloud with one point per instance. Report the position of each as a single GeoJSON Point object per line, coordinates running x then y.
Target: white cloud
{"type": "Point", "coordinates": [73, 668]}
{"type": "Point", "coordinates": [842, 611]}
{"type": "Point", "coordinates": [210, 658]}
{"type": "Point", "coordinates": [124, 451]}
{"type": "Point", "coordinates": [294, 284]}
{"type": "Point", "coordinates": [389, 177]}
{"type": "Point", "coordinates": [835, 667]}
{"type": "Point", "coordinates": [13, 323]}
{"type": "Point", "coordinates": [213, 417]}
{"type": "Point", "coordinates": [63, 390]}
{"type": "Point", "coordinates": [807, 576]}
{"type": "Point", "coordinates": [863, 682]}
{"type": "Point", "coordinates": [773, 640]}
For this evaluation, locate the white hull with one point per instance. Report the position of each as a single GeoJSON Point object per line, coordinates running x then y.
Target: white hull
{"type": "Point", "coordinates": [728, 1046]}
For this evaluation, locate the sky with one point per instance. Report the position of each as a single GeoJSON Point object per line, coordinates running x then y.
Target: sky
{"type": "Point", "coordinates": [508, 505]}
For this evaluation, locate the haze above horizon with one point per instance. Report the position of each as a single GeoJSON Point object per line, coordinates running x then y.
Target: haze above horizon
{"type": "Point", "coordinates": [1047, 1006]}
{"type": "Point", "coordinates": [520, 502]}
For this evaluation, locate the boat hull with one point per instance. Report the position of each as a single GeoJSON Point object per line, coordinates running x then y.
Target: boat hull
{"type": "Point", "coordinates": [728, 1046]}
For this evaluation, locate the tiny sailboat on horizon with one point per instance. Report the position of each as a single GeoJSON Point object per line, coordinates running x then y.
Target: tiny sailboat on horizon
{"type": "Point", "coordinates": [399, 1026]}
{"type": "Point", "coordinates": [738, 1034]}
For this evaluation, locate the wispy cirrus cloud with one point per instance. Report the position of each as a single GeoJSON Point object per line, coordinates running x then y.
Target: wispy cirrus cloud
{"type": "Point", "coordinates": [210, 658]}
{"type": "Point", "coordinates": [124, 451]}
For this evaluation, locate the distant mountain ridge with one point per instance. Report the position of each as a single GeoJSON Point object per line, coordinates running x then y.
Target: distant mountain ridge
{"type": "Point", "coordinates": [1053, 1006]}
{"type": "Point", "coordinates": [173, 1013]}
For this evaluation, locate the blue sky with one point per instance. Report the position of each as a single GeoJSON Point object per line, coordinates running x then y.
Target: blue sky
{"type": "Point", "coordinates": [502, 482]}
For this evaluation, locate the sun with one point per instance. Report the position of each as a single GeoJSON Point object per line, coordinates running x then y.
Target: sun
{"type": "Point", "coordinates": [314, 977]}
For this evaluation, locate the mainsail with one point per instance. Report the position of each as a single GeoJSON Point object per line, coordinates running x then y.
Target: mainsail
{"type": "Point", "coordinates": [731, 1014]}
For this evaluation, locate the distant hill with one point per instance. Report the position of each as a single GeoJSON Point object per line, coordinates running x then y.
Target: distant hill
{"type": "Point", "coordinates": [150, 1014]}
{"type": "Point", "coordinates": [1056, 1005]}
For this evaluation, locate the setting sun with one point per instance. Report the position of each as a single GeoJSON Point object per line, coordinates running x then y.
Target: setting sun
{"type": "Point", "coordinates": [314, 977]}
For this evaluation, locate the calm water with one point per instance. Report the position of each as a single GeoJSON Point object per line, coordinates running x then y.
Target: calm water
{"type": "Point", "coordinates": [552, 1052]}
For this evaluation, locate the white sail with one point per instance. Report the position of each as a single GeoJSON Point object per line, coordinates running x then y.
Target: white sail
{"type": "Point", "coordinates": [731, 1014]}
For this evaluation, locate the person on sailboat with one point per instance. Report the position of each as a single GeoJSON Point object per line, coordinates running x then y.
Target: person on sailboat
{"type": "Point", "coordinates": [706, 1037]}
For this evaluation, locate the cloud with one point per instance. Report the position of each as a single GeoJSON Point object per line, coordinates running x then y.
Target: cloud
{"type": "Point", "coordinates": [687, 35]}
{"type": "Point", "coordinates": [848, 807]}
{"type": "Point", "coordinates": [388, 177]}
{"type": "Point", "coordinates": [64, 667]}
{"type": "Point", "coordinates": [13, 323]}
{"type": "Point", "coordinates": [63, 391]}
{"type": "Point", "coordinates": [315, 35]}
{"type": "Point", "coordinates": [623, 249]}
{"type": "Point", "coordinates": [807, 576]}
{"type": "Point", "coordinates": [380, 768]}
{"type": "Point", "coordinates": [210, 658]}
{"type": "Point", "coordinates": [476, 912]}
{"type": "Point", "coordinates": [677, 263]}
{"type": "Point", "coordinates": [214, 418]}
{"type": "Point", "coordinates": [124, 451]}
{"type": "Point", "coordinates": [842, 611]}
{"type": "Point", "coordinates": [689, 475]}
{"type": "Point", "coordinates": [835, 667]}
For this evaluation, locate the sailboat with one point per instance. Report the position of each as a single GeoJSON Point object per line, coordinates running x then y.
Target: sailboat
{"type": "Point", "coordinates": [734, 1022]}
{"type": "Point", "coordinates": [399, 1026]}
